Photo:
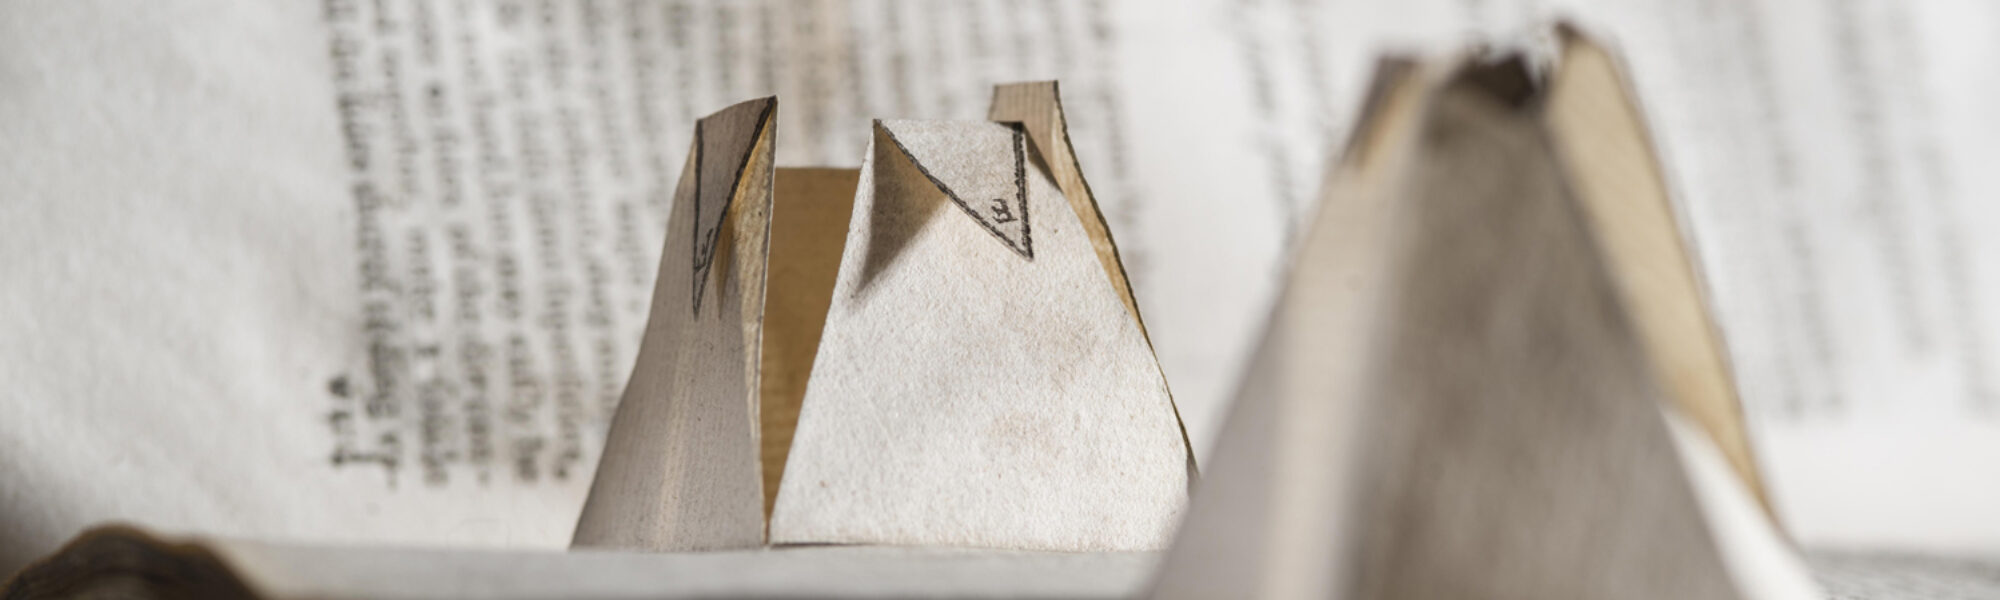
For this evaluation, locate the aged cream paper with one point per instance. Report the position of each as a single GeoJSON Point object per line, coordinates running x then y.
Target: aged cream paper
{"type": "Point", "coordinates": [929, 430]}
{"type": "Point", "coordinates": [980, 380]}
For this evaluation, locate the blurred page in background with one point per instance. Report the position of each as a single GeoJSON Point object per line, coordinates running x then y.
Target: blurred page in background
{"type": "Point", "coordinates": [375, 270]}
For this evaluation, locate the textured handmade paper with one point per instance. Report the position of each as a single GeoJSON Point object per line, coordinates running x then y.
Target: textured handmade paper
{"type": "Point", "coordinates": [980, 380]}
{"type": "Point", "coordinates": [931, 391]}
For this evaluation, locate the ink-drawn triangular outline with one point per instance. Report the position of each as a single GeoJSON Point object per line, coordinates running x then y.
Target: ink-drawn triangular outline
{"type": "Point", "coordinates": [1027, 246]}
{"type": "Point", "coordinates": [704, 260]}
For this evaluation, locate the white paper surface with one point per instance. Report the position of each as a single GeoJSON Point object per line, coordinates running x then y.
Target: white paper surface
{"type": "Point", "coordinates": [201, 280]}
{"type": "Point", "coordinates": [980, 381]}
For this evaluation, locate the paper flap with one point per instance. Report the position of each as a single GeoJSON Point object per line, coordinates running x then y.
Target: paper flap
{"type": "Point", "coordinates": [982, 167]}
{"type": "Point", "coordinates": [1601, 136]}
{"type": "Point", "coordinates": [681, 463]}
{"type": "Point", "coordinates": [723, 142]}
{"type": "Point", "coordinates": [1037, 106]}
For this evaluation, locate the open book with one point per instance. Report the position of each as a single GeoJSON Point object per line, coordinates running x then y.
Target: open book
{"type": "Point", "coordinates": [1493, 372]}
{"type": "Point", "coordinates": [377, 272]}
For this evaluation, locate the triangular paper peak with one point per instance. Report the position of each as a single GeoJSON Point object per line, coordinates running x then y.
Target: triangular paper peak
{"type": "Point", "coordinates": [981, 166]}
{"type": "Point", "coordinates": [1510, 408]}
{"type": "Point", "coordinates": [680, 469]}
{"type": "Point", "coordinates": [1454, 398]}
{"type": "Point", "coordinates": [722, 149]}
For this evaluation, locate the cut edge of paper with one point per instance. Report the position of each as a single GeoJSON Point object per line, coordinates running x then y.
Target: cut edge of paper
{"type": "Point", "coordinates": [712, 203]}
{"type": "Point", "coordinates": [1759, 556]}
{"type": "Point", "coordinates": [1037, 106]}
{"type": "Point", "coordinates": [1600, 135]}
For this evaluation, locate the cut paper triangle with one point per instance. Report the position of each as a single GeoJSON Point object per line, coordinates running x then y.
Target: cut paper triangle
{"type": "Point", "coordinates": [1457, 395]}
{"type": "Point", "coordinates": [969, 161]}
{"type": "Point", "coordinates": [885, 368]}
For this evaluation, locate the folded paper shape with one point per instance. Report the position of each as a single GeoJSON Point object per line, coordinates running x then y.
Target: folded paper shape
{"type": "Point", "coordinates": [1462, 390]}
{"type": "Point", "coordinates": [682, 469]}
{"type": "Point", "coordinates": [947, 354]}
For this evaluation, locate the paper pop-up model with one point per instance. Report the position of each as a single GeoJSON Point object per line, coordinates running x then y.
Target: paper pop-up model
{"type": "Point", "coordinates": [938, 349]}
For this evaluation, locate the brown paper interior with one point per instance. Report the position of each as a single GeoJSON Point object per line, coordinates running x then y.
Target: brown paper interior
{"type": "Point", "coordinates": [1602, 138]}
{"type": "Point", "coordinates": [810, 213]}
{"type": "Point", "coordinates": [748, 234]}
